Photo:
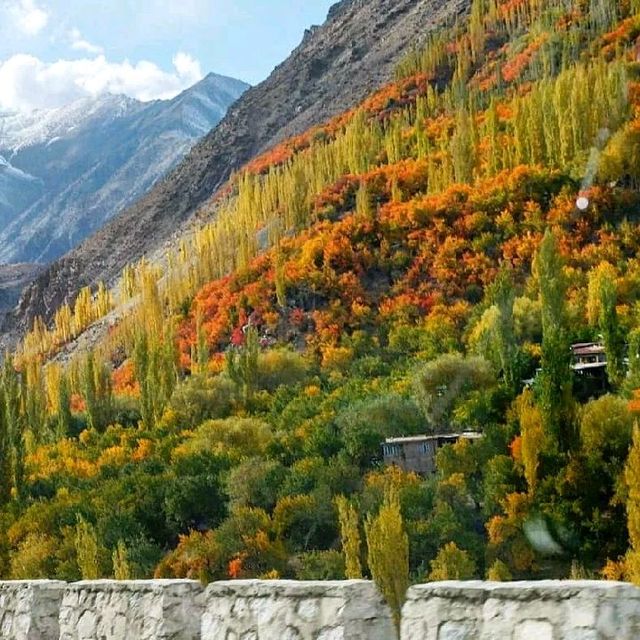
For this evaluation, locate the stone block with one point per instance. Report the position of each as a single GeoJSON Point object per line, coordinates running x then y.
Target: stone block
{"type": "Point", "coordinates": [29, 609]}
{"type": "Point", "coordinates": [144, 610]}
{"type": "Point", "coordinates": [288, 610]}
{"type": "Point", "coordinates": [542, 610]}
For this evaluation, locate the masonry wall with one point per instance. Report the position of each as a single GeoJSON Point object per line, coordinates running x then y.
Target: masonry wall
{"type": "Point", "coordinates": [140, 610]}
{"type": "Point", "coordinates": [545, 610]}
{"type": "Point", "coordinates": [30, 610]}
{"type": "Point", "coordinates": [286, 610]}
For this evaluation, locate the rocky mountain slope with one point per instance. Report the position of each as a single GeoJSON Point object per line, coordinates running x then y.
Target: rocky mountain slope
{"type": "Point", "coordinates": [334, 67]}
{"type": "Point", "coordinates": [64, 172]}
{"type": "Point", "coordinates": [13, 278]}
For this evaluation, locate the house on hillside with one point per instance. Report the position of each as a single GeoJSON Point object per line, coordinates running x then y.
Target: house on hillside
{"type": "Point", "coordinates": [590, 369]}
{"type": "Point", "coordinates": [418, 453]}
{"type": "Point", "coordinates": [589, 365]}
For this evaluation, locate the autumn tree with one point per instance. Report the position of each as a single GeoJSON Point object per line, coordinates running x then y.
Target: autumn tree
{"type": "Point", "coordinates": [120, 561]}
{"type": "Point", "coordinates": [632, 480]}
{"type": "Point", "coordinates": [452, 563]}
{"type": "Point", "coordinates": [388, 551]}
{"type": "Point", "coordinates": [532, 438]}
{"type": "Point", "coordinates": [350, 534]}
{"type": "Point", "coordinates": [86, 543]}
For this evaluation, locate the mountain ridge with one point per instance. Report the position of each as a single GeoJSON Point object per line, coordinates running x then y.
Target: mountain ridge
{"type": "Point", "coordinates": [334, 67]}
{"type": "Point", "coordinates": [92, 158]}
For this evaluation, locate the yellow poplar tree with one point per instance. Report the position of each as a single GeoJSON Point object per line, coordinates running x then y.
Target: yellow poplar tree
{"type": "Point", "coordinates": [632, 479]}
{"type": "Point", "coordinates": [452, 563]}
{"type": "Point", "coordinates": [388, 552]}
{"type": "Point", "coordinates": [86, 543]}
{"type": "Point", "coordinates": [120, 559]}
{"type": "Point", "coordinates": [350, 534]}
{"type": "Point", "coordinates": [533, 439]}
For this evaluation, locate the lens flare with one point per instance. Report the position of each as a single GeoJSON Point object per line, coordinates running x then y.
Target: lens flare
{"type": "Point", "coordinates": [582, 203]}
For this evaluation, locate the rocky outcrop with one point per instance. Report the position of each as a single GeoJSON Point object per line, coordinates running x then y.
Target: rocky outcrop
{"type": "Point", "coordinates": [13, 278]}
{"type": "Point", "coordinates": [334, 67]}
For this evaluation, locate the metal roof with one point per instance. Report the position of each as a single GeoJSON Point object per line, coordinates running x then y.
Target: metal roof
{"type": "Point", "coordinates": [465, 435]}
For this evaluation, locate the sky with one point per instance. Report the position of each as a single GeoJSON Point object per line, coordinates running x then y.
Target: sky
{"type": "Point", "coordinates": [55, 51]}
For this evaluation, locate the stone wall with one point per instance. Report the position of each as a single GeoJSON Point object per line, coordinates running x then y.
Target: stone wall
{"type": "Point", "coordinates": [29, 610]}
{"type": "Point", "coordinates": [140, 610]}
{"type": "Point", "coordinates": [545, 610]}
{"type": "Point", "coordinates": [285, 610]}
{"type": "Point", "coordinates": [184, 610]}
{"type": "Point", "coordinates": [288, 610]}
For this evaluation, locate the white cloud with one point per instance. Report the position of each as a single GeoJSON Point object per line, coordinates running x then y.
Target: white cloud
{"type": "Point", "coordinates": [30, 18]}
{"type": "Point", "coordinates": [28, 83]}
{"type": "Point", "coordinates": [187, 67]}
{"type": "Point", "coordinates": [78, 43]}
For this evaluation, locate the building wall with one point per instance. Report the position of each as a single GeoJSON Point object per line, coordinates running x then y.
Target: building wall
{"type": "Point", "coordinates": [286, 610]}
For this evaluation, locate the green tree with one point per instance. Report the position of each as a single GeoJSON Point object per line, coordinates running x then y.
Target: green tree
{"type": "Point", "coordinates": [97, 392]}
{"type": "Point", "coordinates": [463, 147]}
{"type": "Point", "coordinates": [242, 365]}
{"type": "Point", "coordinates": [142, 369]}
{"type": "Point", "coordinates": [64, 415]}
{"type": "Point", "coordinates": [364, 207]}
{"type": "Point", "coordinates": [603, 287]}
{"type": "Point", "coordinates": [366, 423]}
{"type": "Point", "coordinates": [155, 364]}
{"type": "Point", "coordinates": [446, 382]}
{"type": "Point", "coordinates": [503, 294]}
{"type": "Point", "coordinates": [14, 417]}
{"type": "Point", "coordinates": [5, 456]}
{"type": "Point", "coordinates": [555, 379]}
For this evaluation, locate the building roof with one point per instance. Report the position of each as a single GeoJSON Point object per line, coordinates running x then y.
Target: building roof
{"type": "Point", "coordinates": [587, 348]}
{"type": "Point", "coordinates": [465, 435]}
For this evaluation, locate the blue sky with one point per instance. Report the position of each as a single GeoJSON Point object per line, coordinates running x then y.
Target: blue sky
{"type": "Point", "coordinates": [54, 51]}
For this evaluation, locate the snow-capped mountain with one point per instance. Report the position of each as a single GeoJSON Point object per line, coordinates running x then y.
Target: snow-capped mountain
{"type": "Point", "coordinates": [64, 172]}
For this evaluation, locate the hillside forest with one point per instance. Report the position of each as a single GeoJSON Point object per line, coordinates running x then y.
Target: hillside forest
{"type": "Point", "coordinates": [421, 264]}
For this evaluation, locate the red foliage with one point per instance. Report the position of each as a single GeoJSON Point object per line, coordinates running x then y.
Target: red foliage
{"type": "Point", "coordinates": [124, 380]}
